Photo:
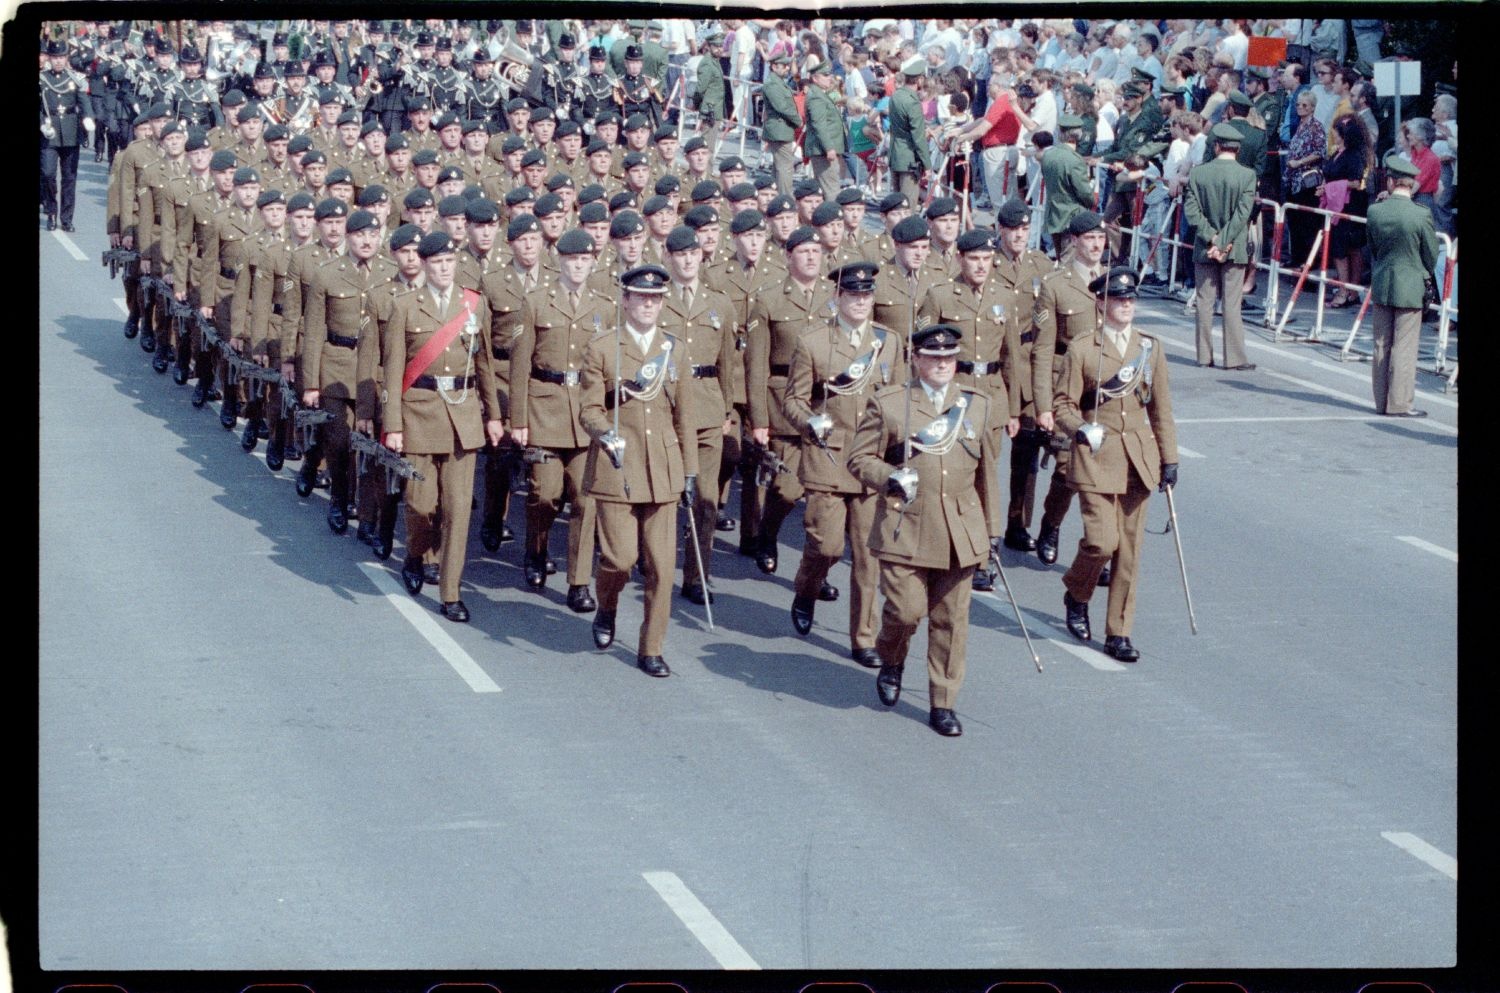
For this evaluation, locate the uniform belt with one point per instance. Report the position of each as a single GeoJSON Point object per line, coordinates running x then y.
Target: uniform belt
{"type": "Point", "coordinates": [1028, 337]}
{"type": "Point", "coordinates": [342, 341]}
{"type": "Point", "coordinates": [446, 383]}
{"type": "Point", "coordinates": [705, 372]}
{"type": "Point", "coordinates": [501, 354]}
{"type": "Point", "coordinates": [979, 368]}
{"type": "Point", "coordinates": [228, 272]}
{"type": "Point", "coordinates": [781, 370]}
{"type": "Point", "coordinates": [569, 378]}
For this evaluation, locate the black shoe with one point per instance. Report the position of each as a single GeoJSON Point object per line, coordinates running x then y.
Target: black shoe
{"type": "Point", "coordinates": [604, 629]}
{"type": "Point", "coordinates": [293, 452]}
{"type": "Point", "coordinates": [275, 454]}
{"type": "Point", "coordinates": [550, 566]}
{"type": "Point", "coordinates": [365, 532]}
{"type": "Point", "coordinates": [200, 396]}
{"type": "Point", "coordinates": [249, 438]}
{"type": "Point", "coordinates": [455, 612]}
{"type": "Point", "coordinates": [695, 593]}
{"type": "Point", "coordinates": [828, 593]}
{"type": "Point", "coordinates": [132, 325]}
{"type": "Point", "coordinates": [1244, 367]}
{"type": "Point", "coordinates": [1119, 647]}
{"type": "Point", "coordinates": [489, 537]}
{"type": "Point", "coordinates": [888, 684]}
{"type": "Point", "coordinates": [1046, 545]}
{"type": "Point", "coordinates": [180, 375]}
{"type": "Point", "coordinates": [1409, 413]}
{"type": "Point", "coordinates": [724, 523]}
{"type": "Point", "coordinates": [304, 484]}
{"type": "Point", "coordinates": [580, 600]}
{"type": "Point", "coordinates": [506, 534]}
{"type": "Point", "coordinates": [351, 511]}
{"type": "Point", "coordinates": [802, 614]}
{"type": "Point", "coordinates": [262, 429]}
{"type": "Point", "coordinates": [68, 226]}
{"type": "Point", "coordinates": [749, 547]}
{"type": "Point", "coordinates": [381, 546]}
{"type": "Point", "coordinates": [229, 413]}
{"type": "Point", "coordinates": [338, 521]}
{"type": "Point", "coordinates": [1019, 539]}
{"type": "Point", "coordinates": [944, 722]}
{"type": "Point", "coordinates": [148, 341]}
{"type": "Point", "coordinates": [1207, 365]}
{"type": "Point", "coordinates": [866, 657]}
{"type": "Point", "coordinates": [1077, 617]}
{"type": "Point", "coordinates": [430, 574]}
{"type": "Point", "coordinates": [765, 556]}
{"type": "Point", "coordinates": [1105, 575]}
{"type": "Point", "coordinates": [653, 665]}
{"type": "Point", "coordinates": [159, 362]}
{"type": "Point", "coordinates": [983, 581]}
{"type": "Point", "coordinates": [51, 222]}
{"type": "Point", "coordinates": [535, 567]}
{"type": "Point", "coordinates": [411, 576]}
{"type": "Point", "coordinates": [1152, 279]}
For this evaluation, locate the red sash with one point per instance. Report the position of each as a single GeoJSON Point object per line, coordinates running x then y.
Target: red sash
{"type": "Point", "coordinates": [439, 341]}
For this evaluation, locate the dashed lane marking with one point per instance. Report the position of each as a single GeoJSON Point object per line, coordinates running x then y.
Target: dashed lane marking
{"type": "Point", "coordinates": [422, 620]}
{"type": "Point", "coordinates": [700, 921]}
{"type": "Point", "coordinates": [1412, 845]}
{"type": "Point", "coordinates": [1428, 546]}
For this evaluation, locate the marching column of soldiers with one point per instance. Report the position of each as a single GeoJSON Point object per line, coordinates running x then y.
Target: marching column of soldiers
{"type": "Point", "coordinates": [417, 266]}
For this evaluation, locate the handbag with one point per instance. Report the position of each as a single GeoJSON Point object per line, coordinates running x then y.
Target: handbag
{"type": "Point", "coordinates": [1310, 179]}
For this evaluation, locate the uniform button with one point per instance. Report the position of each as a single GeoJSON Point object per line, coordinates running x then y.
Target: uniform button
{"type": "Point", "coordinates": [648, 430]}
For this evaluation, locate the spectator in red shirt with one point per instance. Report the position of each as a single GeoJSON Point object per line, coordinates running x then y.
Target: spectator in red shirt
{"type": "Point", "coordinates": [1416, 138]}
{"type": "Point", "coordinates": [998, 133]}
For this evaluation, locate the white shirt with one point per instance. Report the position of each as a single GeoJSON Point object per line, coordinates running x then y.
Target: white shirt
{"type": "Point", "coordinates": [643, 339]}
{"type": "Point", "coordinates": [936, 394]}
{"type": "Point", "coordinates": [1119, 337]}
{"type": "Point", "coordinates": [742, 51]}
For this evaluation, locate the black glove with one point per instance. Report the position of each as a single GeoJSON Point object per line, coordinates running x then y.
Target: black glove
{"type": "Point", "coordinates": [690, 491]}
{"type": "Point", "coordinates": [1168, 475]}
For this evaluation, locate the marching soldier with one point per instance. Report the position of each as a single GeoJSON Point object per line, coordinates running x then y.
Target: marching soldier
{"type": "Point", "coordinates": [835, 370]}
{"type": "Point", "coordinates": [337, 314]}
{"type": "Point", "coordinates": [197, 104]}
{"type": "Point", "coordinates": [202, 269]}
{"type": "Point", "coordinates": [176, 248]}
{"type": "Point", "coordinates": [636, 92]}
{"type": "Point", "coordinates": [1065, 309]}
{"type": "Point", "coordinates": [545, 403]}
{"type": "Point", "coordinates": [597, 85]}
{"type": "Point", "coordinates": [1019, 272]}
{"type": "Point", "coordinates": [937, 518]}
{"type": "Point", "coordinates": [989, 340]}
{"type": "Point", "coordinates": [901, 288]}
{"type": "Point", "coordinates": [67, 121]}
{"type": "Point", "coordinates": [129, 166]}
{"type": "Point", "coordinates": [635, 409]}
{"type": "Point", "coordinates": [151, 204]}
{"type": "Point", "coordinates": [226, 244]}
{"type": "Point", "coordinates": [272, 229]}
{"type": "Point", "coordinates": [440, 406]}
{"type": "Point", "coordinates": [270, 286]}
{"type": "Point", "coordinates": [778, 318]}
{"type": "Point", "coordinates": [1113, 401]}
{"type": "Point", "coordinates": [701, 319]}
{"type": "Point", "coordinates": [331, 216]}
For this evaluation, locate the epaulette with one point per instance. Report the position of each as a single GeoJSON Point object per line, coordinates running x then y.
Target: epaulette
{"type": "Point", "coordinates": [895, 389]}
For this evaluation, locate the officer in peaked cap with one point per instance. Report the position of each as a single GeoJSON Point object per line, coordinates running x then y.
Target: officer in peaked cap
{"type": "Point", "coordinates": [939, 494]}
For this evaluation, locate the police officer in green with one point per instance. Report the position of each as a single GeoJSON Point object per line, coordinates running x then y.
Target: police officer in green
{"type": "Point", "coordinates": [1066, 179]}
{"type": "Point", "coordinates": [1220, 197]}
{"type": "Point", "coordinates": [1403, 250]}
{"type": "Point", "coordinates": [708, 93]}
{"type": "Point", "coordinates": [824, 142]}
{"type": "Point", "coordinates": [782, 121]}
{"type": "Point", "coordinates": [909, 156]}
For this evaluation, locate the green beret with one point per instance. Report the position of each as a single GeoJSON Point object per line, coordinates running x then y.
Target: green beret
{"type": "Point", "coordinates": [331, 207]}
{"type": "Point", "coordinates": [359, 220]}
{"type": "Point", "coordinates": [801, 236]}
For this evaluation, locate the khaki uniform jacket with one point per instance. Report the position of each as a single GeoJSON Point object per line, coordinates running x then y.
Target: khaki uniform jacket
{"type": "Point", "coordinates": [177, 248]}
{"type": "Point", "coordinates": [369, 367]}
{"type": "Point", "coordinates": [741, 285]}
{"type": "Point", "coordinates": [706, 337]}
{"type": "Point", "coordinates": [896, 305]}
{"type": "Point", "coordinates": [656, 460]}
{"type": "Point", "coordinates": [269, 287]}
{"type": "Point", "coordinates": [227, 248]}
{"type": "Point", "coordinates": [778, 317]}
{"type": "Point", "coordinates": [1220, 196]}
{"type": "Point", "coordinates": [958, 509]}
{"type": "Point", "coordinates": [134, 160]}
{"type": "Point", "coordinates": [989, 336]}
{"type": "Point", "coordinates": [152, 202]}
{"type": "Point", "coordinates": [429, 423]}
{"type": "Point", "coordinates": [824, 354]}
{"type": "Point", "coordinates": [241, 305]}
{"type": "Point", "coordinates": [472, 269]}
{"type": "Point", "coordinates": [1023, 280]}
{"type": "Point", "coordinates": [555, 338]}
{"type": "Point", "coordinates": [1138, 433]}
{"type": "Point", "coordinates": [1064, 310]}
{"type": "Point", "coordinates": [1403, 251]}
{"type": "Point", "coordinates": [304, 262]}
{"type": "Point", "coordinates": [506, 299]}
{"type": "Point", "coordinates": [338, 304]}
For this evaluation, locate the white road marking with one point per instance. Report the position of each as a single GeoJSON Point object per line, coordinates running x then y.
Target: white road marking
{"type": "Point", "coordinates": [71, 246]}
{"type": "Point", "coordinates": [120, 302]}
{"type": "Point", "coordinates": [1036, 626]}
{"type": "Point", "coordinates": [1336, 368]}
{"type": "Point", "coordinates": [1428, 546]}
{"type": "Point", "coordinates": [700, 920]}
{"type": "Point", "coordinates": [1410, 843]}
{"type": "Point", "coordinates": [1275, 420]}
{"type": "Point", "coordinates": [1188, 453]}
{"type": "Point", "coordinates": [427, 627]}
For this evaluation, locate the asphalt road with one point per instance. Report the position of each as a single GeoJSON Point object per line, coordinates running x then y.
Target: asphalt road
{"type": "Point", "coordinates": [255, 753]}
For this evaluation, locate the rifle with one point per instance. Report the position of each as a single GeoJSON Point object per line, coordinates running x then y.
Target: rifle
{"type": "Point", "coordinates": [368, 450]}
{"type": "Point", "coordinates": [768, 465]}
{"type": "Point", "coordinates": [117, 259]}
{"type": "Point", "coordinates": [304, 419]}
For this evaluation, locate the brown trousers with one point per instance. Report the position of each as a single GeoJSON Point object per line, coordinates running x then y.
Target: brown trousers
{"type": "Point", "coordinates": [706, 510]}
{"type": "Point", "coordinates": [1112, 528]}
{"type": "Point", "coordinates": [942, 596]}
{"type": "Point", "coordinates": [628, 531]}
{"type": "Point", "coordinates": [1393, 373]}
{"type": "Point", "coordinates": [437, 514]}
{"type": "Point", "coordinates": [827, 518]}
{"type": "Point", "coordinates": [544, 497]}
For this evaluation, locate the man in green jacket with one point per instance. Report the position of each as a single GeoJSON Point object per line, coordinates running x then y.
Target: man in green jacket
{"type": "Point", "coordinates": [1403, 251]}
{"type": "Point", "coordinates": [1067, 181]}
{"type": "Point", "coordinates": [909, 155]}
{"type": "Point", "coordinates": [708, 94]}
{"type": "Point", "coordinates": [824, 140]}
{"type": "Point", "coordinates": [782, 121]}
{"type": "Point", "coordinates": [1135, 133]}
{"type": "Point", "coordinates": [1220, 196]}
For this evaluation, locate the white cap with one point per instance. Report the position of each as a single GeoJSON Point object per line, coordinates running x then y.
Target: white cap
{"type": "Point", "coordinates": [917, 66]}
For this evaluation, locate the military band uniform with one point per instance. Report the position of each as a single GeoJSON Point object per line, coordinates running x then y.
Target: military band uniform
{"type": "Point", "coordinates": [1114, 483]}
{"type": "Point", "coordinates": [67, 122]}
{"type": "Point", "coordinates": [945, 533]}
{"type": "Point", "coordinates": [835, 371]}
{"type": "Point", "coordinates": [441, 427]}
